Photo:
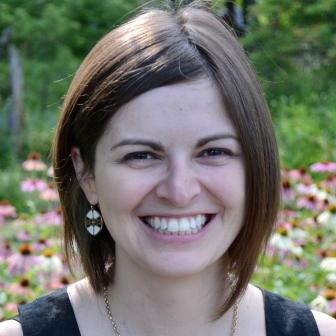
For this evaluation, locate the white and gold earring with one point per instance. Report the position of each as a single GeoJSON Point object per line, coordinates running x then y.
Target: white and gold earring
{"type": "Point", "coordinates": [93, 221]}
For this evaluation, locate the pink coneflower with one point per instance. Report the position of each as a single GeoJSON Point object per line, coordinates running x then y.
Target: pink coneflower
{"type": "Point", "coordinates": [50, 218]}
{"type": "Point", "coordinates": [22, 262]}
{"type": "Point", "coordinates": [288, 193]}
{"type": "Point", "coordinates": [5, 250]}
{"type": "Point", "coordinates": [296, 175]}
{"type": "Point", "coordinates": [287, 214]}
{"type": "Point", "coordinates": [59, 282]}
{"type": "Point", "coordinates": [24, 236]}
{"type": "Point", "coordinates": [283, 228]}
{"type": "Point", "coordinates": [42, 244]}
{"type": "Point", "coordinates": [34, 162]}
{"type": "Point", "coordinates": [6, 209]}
{"type": "Point", "coordinates": [323, 167]}
{"type": "Point", "coordinates": [296, 263]}
{"type": "Point", "coordinates": [22, 288]}
{"type": "Point", "coordinates": [32, 184]}
{"type": "Point", "coordinates": [310, 202]}
{"type": "Point", "coordinates": [306, 187]}
{"type": "Point", "coordinates": [330, 182]}
{"type": "Point", "coordinates": [50, 193]}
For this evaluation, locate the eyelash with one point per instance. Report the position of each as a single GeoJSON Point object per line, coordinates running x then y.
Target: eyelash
{"type": "Point", "coordinates": [223, 152]}
{"type": "Point", "coordinates": [134, 156]}
{"type": "Point", "coordinates": [143, 156]}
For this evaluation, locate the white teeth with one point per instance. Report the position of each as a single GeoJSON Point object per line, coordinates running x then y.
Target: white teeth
{"type": "Point", "coordinates": [192, 223]}
{"type": "Point", "coordinates": [164, 224]}
{"type": "Point", "coordinates": [157, 223]}
{"type": "Point", "coordinates": [173, 225]}
{"type": "Point", "coordinates": [199, 221]}
{"type": "Point", "coordinates": [180, 226]}
{"type": "Point", "coordinates": [184, 225]}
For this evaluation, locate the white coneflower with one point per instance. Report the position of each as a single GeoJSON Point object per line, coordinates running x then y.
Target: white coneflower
{"type": "Point", "coordinates": [331, 278]}
{"type": "Point", "coordinates": [51, 263]}
{"type": "Point", "coordinates": [286, 244]}
{"type": "Point", "coordinates": [328, 218]}
{"type": "Point", "coordinates": [320, 303]}
{"type": "Point", "coordinates": [329, 264]}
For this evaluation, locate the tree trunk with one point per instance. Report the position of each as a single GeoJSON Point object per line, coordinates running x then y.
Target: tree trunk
{"type": "Point", "coordinates": [4, 40]}
{"type": "Point", "coordinates": [16, 112]}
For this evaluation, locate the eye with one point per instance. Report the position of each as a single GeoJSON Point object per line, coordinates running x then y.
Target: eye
{"type": "Point", "coordinates": [216, 152]}
{"type": "Point", "coordinates": [140, 156]}
{"type": "Point", "coordinates": [141, 159]}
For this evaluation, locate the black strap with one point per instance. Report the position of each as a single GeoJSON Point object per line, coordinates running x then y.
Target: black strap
{"type": "Point", "coordinates": [287, 318]}
{"type": "Point", "coordinates": [50, 315]}
{"type": "Point", "coordinates": [16, 318]}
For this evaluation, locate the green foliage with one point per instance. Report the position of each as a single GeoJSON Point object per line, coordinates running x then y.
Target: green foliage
{"type": "Point", "coordinates": [10, 188]}
{"type": "Point", "coordinates": [289, 39]}
{"type": "Point", "coordinates": [291, 44]}
{"type": "Point", "coordinates": [306, 129]}
{"type": "Point", "coordinates": [52, 39]}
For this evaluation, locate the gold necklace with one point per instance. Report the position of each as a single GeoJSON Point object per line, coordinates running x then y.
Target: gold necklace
{"type": "Point", "coordinates": [115, 326]}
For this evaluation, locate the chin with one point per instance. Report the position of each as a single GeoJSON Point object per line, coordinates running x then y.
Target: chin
{"type": "Point", "coordinates": [181, 268]}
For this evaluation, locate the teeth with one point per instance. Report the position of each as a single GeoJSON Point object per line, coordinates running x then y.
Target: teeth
{"type": "Point", "coordinates": [173, 225]}
{"type": "Point", "coordinates": [180, 226]}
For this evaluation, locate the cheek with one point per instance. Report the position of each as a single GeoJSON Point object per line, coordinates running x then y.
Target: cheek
{"type": "Point", "coordinates": [119, 191]}
{"type": "Point", "coordinates": [228, 186]}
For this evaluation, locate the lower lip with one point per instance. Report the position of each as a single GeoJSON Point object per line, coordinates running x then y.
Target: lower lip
{"type": "Point", "coordinates": [174, 238]}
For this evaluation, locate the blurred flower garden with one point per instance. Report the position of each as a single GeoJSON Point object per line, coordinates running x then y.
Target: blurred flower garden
{"type": "Point", "coordinates": [300, 260]}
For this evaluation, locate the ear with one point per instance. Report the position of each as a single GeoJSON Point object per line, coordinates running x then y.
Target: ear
{"type": "Point", "coordinates": [85, 178]}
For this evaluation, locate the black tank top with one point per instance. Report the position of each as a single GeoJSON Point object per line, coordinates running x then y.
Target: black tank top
{"type": "Point", "coordinates": [52, 315]}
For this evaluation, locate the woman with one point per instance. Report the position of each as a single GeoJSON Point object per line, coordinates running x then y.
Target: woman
{"type": "Point", "coordinates": [167, 168]}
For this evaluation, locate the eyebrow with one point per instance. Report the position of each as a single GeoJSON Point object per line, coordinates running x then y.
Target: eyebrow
{"type": "Point", "coordinates": [157, 146]}
{"type": "Point", "coordinates": [214, 137]}
{"type": "Point", "coordinates": [127, 142]}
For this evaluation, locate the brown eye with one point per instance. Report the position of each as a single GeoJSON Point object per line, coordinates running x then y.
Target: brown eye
{"type": "Point", "coordinates": [216, 152]}
{"type": "Point", "coordinates": [140, 156]}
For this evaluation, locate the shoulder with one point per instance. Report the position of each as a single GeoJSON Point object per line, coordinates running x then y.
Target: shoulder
{"type": "Point", "coordinates": [325, 323]}
{"type": "Point", "coordinates": [10, 328]}
{"type": "Point", "coordinates": [45, 306]}
{"type": "Point", "coordinates": [53, 309]}
{"type": "Point", "coordinates": [291, 317]}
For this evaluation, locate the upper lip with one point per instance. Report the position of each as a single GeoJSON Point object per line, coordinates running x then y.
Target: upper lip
{"type": "Point", "coordinates": [179, 215]}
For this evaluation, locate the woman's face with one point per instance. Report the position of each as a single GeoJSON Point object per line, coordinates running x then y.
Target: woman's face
{"type": "Point", "coordinates": [169, 180]}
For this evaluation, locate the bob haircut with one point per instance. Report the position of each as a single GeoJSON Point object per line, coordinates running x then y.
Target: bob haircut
{"type": "Point", "coordinates": [157, 48]}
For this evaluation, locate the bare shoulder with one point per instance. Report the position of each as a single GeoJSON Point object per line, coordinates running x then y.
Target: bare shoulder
{"type": "Point", "coordinates": [326, 324]}
{"type": "Point", "coordinates": [251, 312]}
{"type": "Point", "coordinates": [10, 328]}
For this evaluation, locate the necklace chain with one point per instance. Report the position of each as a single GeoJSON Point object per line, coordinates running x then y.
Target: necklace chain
{"type": "Point", "coordinates": [115, 326]}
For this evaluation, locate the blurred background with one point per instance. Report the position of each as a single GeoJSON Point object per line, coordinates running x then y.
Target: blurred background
{"type": "Point", "coordinates": [292, 46]}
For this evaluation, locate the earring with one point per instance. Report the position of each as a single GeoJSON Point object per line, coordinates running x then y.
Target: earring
{"type": "Point", "coordinates": [93, 221]}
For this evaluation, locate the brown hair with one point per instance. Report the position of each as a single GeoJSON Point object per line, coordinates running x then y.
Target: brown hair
{"type": "Point", "coordinates": [157, 48]}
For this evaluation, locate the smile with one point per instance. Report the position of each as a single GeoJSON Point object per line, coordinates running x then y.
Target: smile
{"type": "Point", "coordinates": [177, 226]}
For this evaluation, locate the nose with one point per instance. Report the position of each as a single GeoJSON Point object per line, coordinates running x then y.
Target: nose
{"type": "Point", "coordinates": [180, 186]}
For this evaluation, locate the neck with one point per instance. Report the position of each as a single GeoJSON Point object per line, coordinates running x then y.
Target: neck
{"type": "Point", "coordinates": [179, 305]}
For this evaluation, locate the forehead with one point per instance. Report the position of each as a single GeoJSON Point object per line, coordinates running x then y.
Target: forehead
{"type": "Point", "coordinates": [180, 110]}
